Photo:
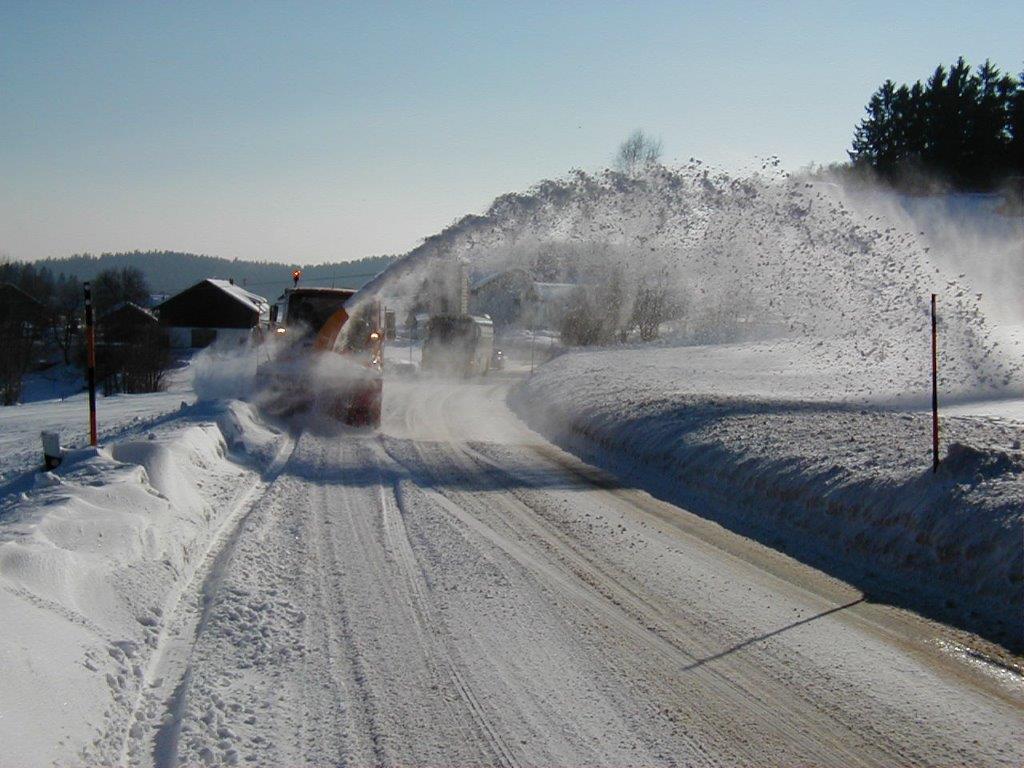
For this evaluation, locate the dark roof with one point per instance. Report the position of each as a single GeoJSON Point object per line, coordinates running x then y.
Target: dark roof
{"type": "Point", "coordinates": [128, 312]}
{"type": "Point", "coordinates": [15, 304]}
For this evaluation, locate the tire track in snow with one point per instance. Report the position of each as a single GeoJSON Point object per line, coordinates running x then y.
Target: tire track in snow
{"type": "Point", "coordinates": [590, 587]}
{"type": "Point", "coordinates": [805, 727]}
{"type": "Point", "coordinates": [661, 627]}
{"type": "Point", "coordinates": [171, 656]}
{"type": "Point", "coordinates": [394, 526]}
{"type": "Point", "coordinates": [400, 702]}
{"type": "Point", "coordinates": [890, 701]}
{"type": "Point", "coordinates": [340, 638]}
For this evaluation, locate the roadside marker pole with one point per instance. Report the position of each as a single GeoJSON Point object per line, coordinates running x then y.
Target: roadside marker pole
{"type": "Point", "coordinates": [935, 391]}
{"type": "Point", "coordinates": [90, 344]}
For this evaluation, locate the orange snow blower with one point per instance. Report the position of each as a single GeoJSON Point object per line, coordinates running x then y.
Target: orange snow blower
{"type": "Point", "coordinates": [324, 358]}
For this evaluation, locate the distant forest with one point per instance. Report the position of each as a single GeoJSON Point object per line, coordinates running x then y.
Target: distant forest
{"type": "Point", "coordinates": [961, 129]}
{"type": "Point", "coordinates": [170, 271]}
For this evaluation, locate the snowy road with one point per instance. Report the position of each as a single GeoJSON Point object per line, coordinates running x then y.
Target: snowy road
{"type": "Point", "coordinates": [455, 590]}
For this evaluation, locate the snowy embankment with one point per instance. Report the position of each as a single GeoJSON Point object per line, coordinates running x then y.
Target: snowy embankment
{"type": "Point", "coordinates": [93, 557]}
{"type": "Point", "coordinates": [741, 434]}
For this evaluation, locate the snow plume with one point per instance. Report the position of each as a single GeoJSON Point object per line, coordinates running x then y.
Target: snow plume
{"type": "Point", "coordinates": [976, 239]}
{"type": "Point", "coordinates": [301, 386]}
{"type": "Point", "coordinates": [227, 370]}
{"type": "Point", "coordinates": [763, 256]}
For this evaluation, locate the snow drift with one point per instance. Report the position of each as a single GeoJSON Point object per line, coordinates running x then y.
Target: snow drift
{"type": "Point", "coordinates": [92, 556]}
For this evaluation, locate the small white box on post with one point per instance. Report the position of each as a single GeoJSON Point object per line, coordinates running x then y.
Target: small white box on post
{"type": "Point", "coordinates": [53, 454]}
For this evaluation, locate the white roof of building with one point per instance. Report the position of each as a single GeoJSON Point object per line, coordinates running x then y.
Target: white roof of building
{"type": "Point", "coordinates": [552, 291]}
{"type": "Point", "coordinates": [255, 302]}
{"type": "Point", "coordinates": [480, 282]}
{"type": "Point", "coordinates": [545, 291]}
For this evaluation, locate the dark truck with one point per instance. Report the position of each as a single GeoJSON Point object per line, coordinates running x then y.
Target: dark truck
{"type": "Point", "coordinates": [458, 345]}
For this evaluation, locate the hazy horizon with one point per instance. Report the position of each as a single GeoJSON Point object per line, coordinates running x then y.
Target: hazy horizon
{"type": "Point", "coordinates": [317, 133]}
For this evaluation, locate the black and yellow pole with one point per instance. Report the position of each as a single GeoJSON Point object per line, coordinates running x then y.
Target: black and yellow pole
{"type": "Point", "coordinates": [90, 345]}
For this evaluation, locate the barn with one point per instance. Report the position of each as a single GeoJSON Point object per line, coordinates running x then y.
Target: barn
{"type": "Point", "coordinates": [126, 322]}
{"type": "Point", "coordinates": [210, 310]}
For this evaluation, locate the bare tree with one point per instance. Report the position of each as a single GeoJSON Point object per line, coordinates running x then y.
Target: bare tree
{"type": "Point", "coordinates": [113, 286]}
{"type": "Point", "coordinates": [65, 306]}
{"type": "Point", "coordinates": [656, 303]}
{"type": "Point", "coordinates": [132, 357]}
{"type": "Point", "coordinates": [637, 152]}
{"type": "Point", "coordinates": [598, 314]}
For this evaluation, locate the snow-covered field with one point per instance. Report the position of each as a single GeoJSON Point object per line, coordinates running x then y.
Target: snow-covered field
{"type": "Point", "coordinates": [93, 553]}
{"type": "Point", "coordinates": [92, 557]}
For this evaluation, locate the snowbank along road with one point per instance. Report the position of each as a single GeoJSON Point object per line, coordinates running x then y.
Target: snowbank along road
{"type": "Point", "coordinates": [454, 590]}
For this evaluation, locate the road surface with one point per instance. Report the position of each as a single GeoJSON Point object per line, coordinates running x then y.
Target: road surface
{"type": "Point", "coordinates": [454, 590]}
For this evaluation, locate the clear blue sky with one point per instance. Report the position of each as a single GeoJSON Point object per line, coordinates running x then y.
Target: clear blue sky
{"type": "Point", "coordinates": [307, 132]}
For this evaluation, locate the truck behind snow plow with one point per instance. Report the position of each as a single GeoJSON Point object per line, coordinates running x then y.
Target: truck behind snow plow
{"type": "Point", "coordinates": [319, 358]}
{"type": "Point", "coordinates": [459, 345]}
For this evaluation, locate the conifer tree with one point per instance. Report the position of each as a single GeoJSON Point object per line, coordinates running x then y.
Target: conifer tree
{"type": "Point", "coordinates": [962, 127]}
{"type": "Point", "coordinates": [1015, 127]}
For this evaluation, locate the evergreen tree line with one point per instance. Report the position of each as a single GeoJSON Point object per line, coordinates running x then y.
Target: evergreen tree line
{"type": "Point", "coordinates": [173, 271]}
{"type": "Point", "coordinates": [961, 128]}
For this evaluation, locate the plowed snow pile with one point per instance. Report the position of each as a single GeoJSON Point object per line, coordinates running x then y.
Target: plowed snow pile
{"type": "Point", "coordinates": [92, 555]}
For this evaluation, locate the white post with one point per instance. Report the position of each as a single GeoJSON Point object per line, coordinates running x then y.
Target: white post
{"type": "Point", "coordinates": [53, 454]}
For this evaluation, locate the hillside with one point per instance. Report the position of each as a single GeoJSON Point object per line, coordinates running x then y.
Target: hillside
{"type": "Point", "coordinates": [170, 271]}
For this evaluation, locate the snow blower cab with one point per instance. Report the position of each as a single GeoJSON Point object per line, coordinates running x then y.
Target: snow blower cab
{"type": "Point", "coordinates": [325, 359]}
